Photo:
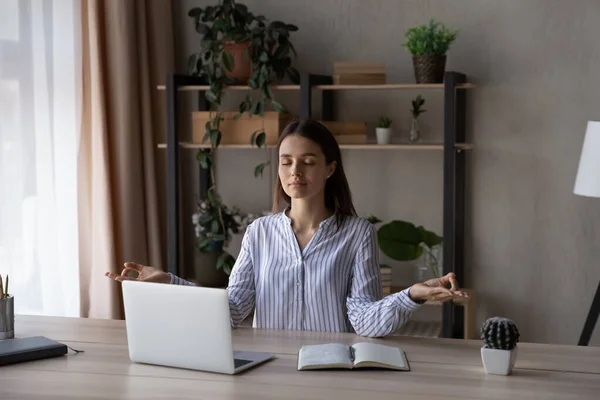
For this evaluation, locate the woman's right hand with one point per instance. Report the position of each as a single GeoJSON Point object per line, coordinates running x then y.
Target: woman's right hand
{"type": "Point", "coordinates": [144, 274]}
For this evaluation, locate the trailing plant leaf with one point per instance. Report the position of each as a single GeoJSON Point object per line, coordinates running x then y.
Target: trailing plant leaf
{"type": "Point", "coordinates": [228, 60]}
{"type": "Point", "coordinates": [259, 169]}
{"type": "Point", "coordinates": [260, 139]}
{"type": "Point", "coordinates": [204, 159]}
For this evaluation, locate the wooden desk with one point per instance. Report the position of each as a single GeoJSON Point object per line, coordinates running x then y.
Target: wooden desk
{"type": "Point", "coordinates": [441, 369]}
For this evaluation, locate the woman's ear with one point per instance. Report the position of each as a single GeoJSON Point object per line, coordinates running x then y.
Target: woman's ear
{"type": "Point", "coordinates": [331, 169]}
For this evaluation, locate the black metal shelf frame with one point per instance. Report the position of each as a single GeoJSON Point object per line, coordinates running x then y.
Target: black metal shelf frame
{"type": "Point", "coordinates": [453, 173]}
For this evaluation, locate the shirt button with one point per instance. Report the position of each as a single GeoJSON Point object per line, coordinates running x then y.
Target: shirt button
{"type": "Point", "coordinates": [298, 283]}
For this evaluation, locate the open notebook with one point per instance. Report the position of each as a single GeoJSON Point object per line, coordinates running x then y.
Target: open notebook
{"type": "Point", "coordinates": [358, 355]}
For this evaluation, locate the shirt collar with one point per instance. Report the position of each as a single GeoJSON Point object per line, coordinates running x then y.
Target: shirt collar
{"type": "Point", "coordinates": [324, 224]}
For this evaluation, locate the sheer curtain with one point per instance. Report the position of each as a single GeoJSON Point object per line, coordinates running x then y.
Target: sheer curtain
{"type": "Point", "coordinates": [40, 91]}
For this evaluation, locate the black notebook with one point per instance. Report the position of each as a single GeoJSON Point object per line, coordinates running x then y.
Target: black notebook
{"type": "Point", "coordinates": [14, 351]}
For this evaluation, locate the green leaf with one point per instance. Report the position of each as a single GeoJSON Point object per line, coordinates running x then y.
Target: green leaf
{"type": "Point", "coordinates": [431, 239]}
{"type": "Point", "coordinates": [252, 83]}
{"type": "Point", "coordinates": [253, 137]}
{"type": "Point", "coordinates": [204, 159]}
{"type": "Point", "coordinates": [268, 92]}
{"type": "Point", "coordinates": [202, 28]}
{"type": "Point", "coordinates": [400, 240]}
{"type": "Point", "coordinates": [203, 244]}
{"type": "Point", "coordinates": [294, 75]}
{"type": "Point", "coordinates": [215, 226]}
{"type": "Point", "coordinates": [191, 65]}
{"type": "Point", "coordinates": [211, 96]}
{"type": "Point", "coordinates": [195, 12]}
{"type": "Point", "coordinates": [258, 171]}
{"type": "Point", "coordinates": [291, 28]}
{"type": "Point", "coordinates": [210, 196]}
{"type": "Point", "coordinates": [260, 139]}
{"type": "Point", "coordinates": [215, 137]}
{"type": "Point", "coordinates": [282, 50]}
{"type": "Point", "coordinates": [228, 60]}
{"type": "Point", "coordinates": [279, 107]}
{"type": "Point", "coordinates": [264, 57]}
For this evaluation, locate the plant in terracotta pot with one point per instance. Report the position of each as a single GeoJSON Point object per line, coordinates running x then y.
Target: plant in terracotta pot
{"type": "Point", "coordinates": [499, 351]}
{"type": "Point", "coordinates": [383, 130]}
{"type": "Point", "coordinates": [239, 47]}
{"type": "Point", "coordinates": [428, 45]}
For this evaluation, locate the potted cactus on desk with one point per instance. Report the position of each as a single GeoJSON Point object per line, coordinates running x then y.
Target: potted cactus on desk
{"type": "Point", "coordinates": [499, 352]}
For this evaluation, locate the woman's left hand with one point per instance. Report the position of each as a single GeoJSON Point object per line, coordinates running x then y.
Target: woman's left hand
{"type": "Point", "coordinates": [437, 289]}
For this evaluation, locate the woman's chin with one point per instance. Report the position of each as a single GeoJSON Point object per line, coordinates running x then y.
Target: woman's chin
{"type": "Point", "coordinates": [298, 192]}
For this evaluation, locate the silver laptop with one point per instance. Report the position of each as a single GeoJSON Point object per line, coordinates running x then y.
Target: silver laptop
{"type": "Point", "coordinates": [184, 327]}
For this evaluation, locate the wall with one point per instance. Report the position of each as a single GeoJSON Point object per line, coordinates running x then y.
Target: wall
{"type": "Point", "coordinates": [532, 245]}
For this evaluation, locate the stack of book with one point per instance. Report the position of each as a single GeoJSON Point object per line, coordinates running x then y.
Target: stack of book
{"type": "Point", "coordinates": [386, 279]}
{"type": "Point", "coordinates": [358, 73]}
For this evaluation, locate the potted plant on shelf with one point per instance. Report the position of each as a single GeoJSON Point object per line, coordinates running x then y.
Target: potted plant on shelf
{"type": "Point", "coordinates": [214, 223]}
{"type": "Point", "coordinates": [499, 351]}
{"type": "Point", "coordinates": [383, 130]}
{"type": "Point", "coordinates": [404, 241]}
{"type": "Point", "coordinates": [416, 111]}
{"type": "Point", "coordinates": [239, 47]}
{"type": "Point", "coordinates": [428, 45]}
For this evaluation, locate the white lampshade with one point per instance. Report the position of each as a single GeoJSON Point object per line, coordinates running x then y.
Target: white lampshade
{"type": "Point", "coordinates": [587, 182]}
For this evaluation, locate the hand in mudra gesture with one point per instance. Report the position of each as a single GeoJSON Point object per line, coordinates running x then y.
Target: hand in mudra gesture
{"type": "Point", "coordinates": [437, 289]}
{"type": "Point", "coordinates": [144, 274]}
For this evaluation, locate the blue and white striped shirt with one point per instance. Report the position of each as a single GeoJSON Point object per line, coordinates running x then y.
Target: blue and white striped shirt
{"type": "Point", "coordinates": [332, 285]}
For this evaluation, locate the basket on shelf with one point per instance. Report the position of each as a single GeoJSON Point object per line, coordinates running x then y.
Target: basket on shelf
{"type": "Point", "coordinates": [429, 68]}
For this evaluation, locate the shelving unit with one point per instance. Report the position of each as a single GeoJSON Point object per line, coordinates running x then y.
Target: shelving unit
{"type": "Point", "coordinates": [453, 149]}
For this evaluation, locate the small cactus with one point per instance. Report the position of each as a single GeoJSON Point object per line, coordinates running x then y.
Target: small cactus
{"type": "Point", "coordinates": [499, 333]}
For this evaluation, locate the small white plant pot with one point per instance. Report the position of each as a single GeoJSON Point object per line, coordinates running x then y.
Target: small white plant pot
{"type": "Point", "coordinates": [498, 362]}
{"type": "Point", "coordinates": [384, 135]}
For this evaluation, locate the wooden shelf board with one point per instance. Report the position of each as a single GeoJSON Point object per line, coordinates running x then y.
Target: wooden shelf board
{"type": "Point", "coordinates": [418, 146]}
{"type": "Point", "coordinates": [392, 86]}
{"type": "Point", "coordinates": [385, 86]}
{"type": "Point", "coordinates": [190, 88]}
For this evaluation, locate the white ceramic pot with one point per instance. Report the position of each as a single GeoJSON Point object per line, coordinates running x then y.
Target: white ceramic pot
{"type": "Point", "coordinates": [383, 135]}
{"type": "Point", "coordinates": [498, 362]}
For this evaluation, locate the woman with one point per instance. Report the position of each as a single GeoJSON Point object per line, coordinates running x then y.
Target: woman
{"type": "Point", "coordinates": [314, 266]}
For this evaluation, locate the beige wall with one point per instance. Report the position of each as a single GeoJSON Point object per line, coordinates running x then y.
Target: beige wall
{"type": "Point", "coordinates": [532, 246]}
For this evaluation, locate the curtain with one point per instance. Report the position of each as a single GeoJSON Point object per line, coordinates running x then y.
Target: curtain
{"type": "Point", "coordinates": [40, 89]}
{"type": "Point", "coordinates": [127, 51]}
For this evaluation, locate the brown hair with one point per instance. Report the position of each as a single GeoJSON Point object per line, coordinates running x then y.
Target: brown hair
{"type": "Point", "coordinates": [337, 191]}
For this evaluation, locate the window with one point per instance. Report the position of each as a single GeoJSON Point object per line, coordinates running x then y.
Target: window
{"type": "Point", "coordinates": [39, 126]}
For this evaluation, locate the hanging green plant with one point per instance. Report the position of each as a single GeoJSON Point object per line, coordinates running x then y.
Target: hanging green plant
{"type": "Point", "coordinates": [237, 48]}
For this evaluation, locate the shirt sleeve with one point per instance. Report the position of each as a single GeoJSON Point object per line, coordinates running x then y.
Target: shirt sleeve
{"type": "Point", "coordinates": [241, 288]}
{"type": "Point", "coordinates": [175, 280]}
{"type": "Point", "coordinates": [369, 314]}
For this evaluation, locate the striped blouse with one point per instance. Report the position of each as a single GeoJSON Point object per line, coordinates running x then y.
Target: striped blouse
{"type": "Point", "coordinates": [332, 285]}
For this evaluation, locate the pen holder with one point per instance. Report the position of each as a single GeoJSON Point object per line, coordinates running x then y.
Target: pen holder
{"type": "Point", "coordinates": [7, 318]}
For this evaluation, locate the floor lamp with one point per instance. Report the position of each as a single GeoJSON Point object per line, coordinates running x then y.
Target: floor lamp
{"type": "Point", "coordinates": [587, 184]}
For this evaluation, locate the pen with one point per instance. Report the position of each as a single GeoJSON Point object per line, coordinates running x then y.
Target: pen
{"type": "Point", "coordinates": [6, 287]}
{"type": "Point", "coordinates": [1, 291]}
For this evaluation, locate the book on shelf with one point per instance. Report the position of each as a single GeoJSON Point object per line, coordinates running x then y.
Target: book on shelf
{"type": "Point", "coordinates": [386, 279]}
{"type": "Point", "coordinates": [358, 355]}
{"type": "Point", "coordinates": [358, 73]}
